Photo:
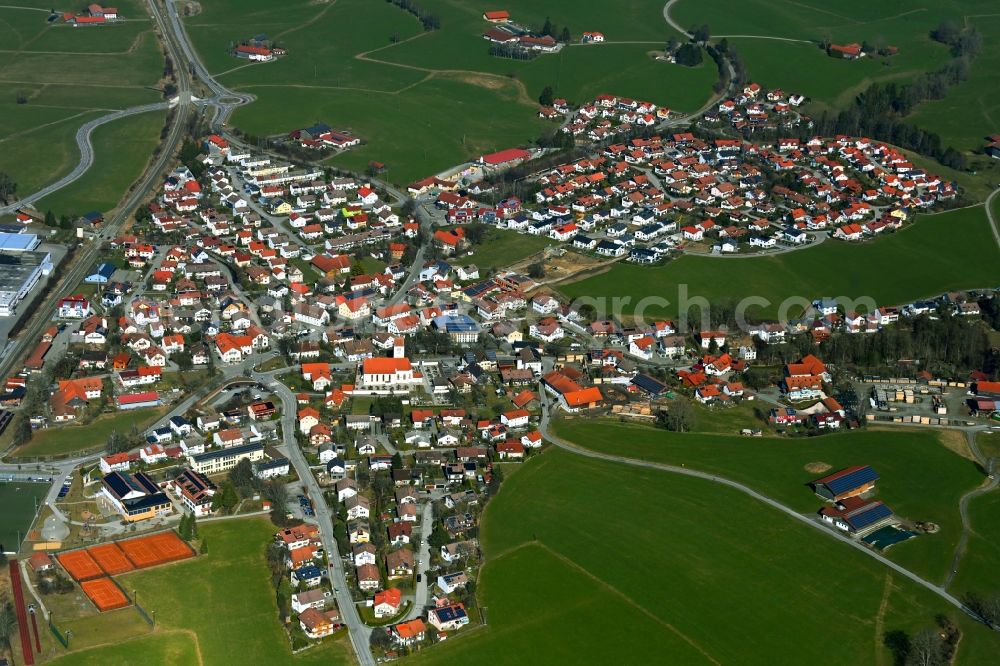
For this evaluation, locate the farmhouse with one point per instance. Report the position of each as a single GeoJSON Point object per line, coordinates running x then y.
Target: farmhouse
{"type": "Point", "coordinates": [857, 516]}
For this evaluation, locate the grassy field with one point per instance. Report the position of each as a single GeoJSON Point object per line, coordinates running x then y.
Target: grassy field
{"type": "Point", "coordinates": [65, 77]}
{"type": "Point", "coordinates": [18, 502]}
{"type": "Point", "coordinates": [69, 439]}
{"type": "Point", "coordinates": [632, 566]}
{"type": "Point", "coordinates": [977, 570]}
{"type": "Point", "coordinates": [970, 110]}
{"type": "Point", "coordinates": [122, 149]}
{"type": "Point", "coordinates": [225, 600]}
{"type": "Point", "coordinates": [501, 247]}
{"type": "Point", "coordinates": [905, 460]}
{"type": "Point", "coordinates": [938, 253]}
{"type": "Point", "coordinates": [174, 647]}
{"type": "Point", "coordinates": [432, 100]}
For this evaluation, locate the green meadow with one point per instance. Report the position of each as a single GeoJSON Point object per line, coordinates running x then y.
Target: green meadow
{"type": "Point", "coordinates": [54, 78]}
{"type": "Point", "coordinates": [431, 100]}
{"type": "Point", "coordinates": [921, 479]}
{"type": "Point", "coordinates": [936, 253]}
{"type": "Point", "coordinates": [594, 562]}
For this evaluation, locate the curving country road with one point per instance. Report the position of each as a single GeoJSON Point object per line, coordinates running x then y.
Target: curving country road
{"type": "Point", "coordinates": [746, 490]}
{"type": "Point", "coordinates": [992, 481]}
{"type": "Point", "coordinates": [83, 142]}
{"type": "Point", "coordinates": [991, 217]}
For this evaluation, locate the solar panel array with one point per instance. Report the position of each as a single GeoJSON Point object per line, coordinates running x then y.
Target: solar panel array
{"type": "Point", "coordinates": [852, 480]}
{"type": "Point", "coordinates": [868, 515]}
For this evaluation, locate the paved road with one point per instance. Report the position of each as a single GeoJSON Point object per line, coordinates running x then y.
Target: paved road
{"type": "Point", "coordinates": [991, 217]}
{"type": "Point", "coordinates": [83, 142]}
{"type": "Point", "coordinates": [963, 504]}
{"type": "Point", "coordinates": [811, 521]}
{"type": "Point", "coordinates": [359, 632]}
{"type": "Point", "coordinates": [423, 554]}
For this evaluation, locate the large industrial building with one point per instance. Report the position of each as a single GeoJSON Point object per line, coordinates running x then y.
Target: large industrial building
{"type": "Point", "coordinates": [21, 267]}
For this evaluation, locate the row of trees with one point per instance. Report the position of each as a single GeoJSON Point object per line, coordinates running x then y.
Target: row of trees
{"type": "Point", "coordinates": [428, 20]}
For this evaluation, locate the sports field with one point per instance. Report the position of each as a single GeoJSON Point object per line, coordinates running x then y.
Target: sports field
{"type": "Point", "coordinates": [66, 76]}
{"type": "Point", "coordinates": [627, 565]}
{"type": "Point", "coordinates": [18, 501]}
{"type": "Point", "coordinates": [111, 559]}
{"type": "Point", "coordinates": [80, 565]}
{"type": "Point", "coordinates": [430, 100]}
{"type": "Point", "coordinates": [160, 548]}
{"type": "Point", "coordinates": [937, 253]}
{"type": "Point", "coordinates": [921, 479]}
{"type": "Point", "coordinates": [105, 594]}
{"type": "Point", "coordinates": [225, 600]}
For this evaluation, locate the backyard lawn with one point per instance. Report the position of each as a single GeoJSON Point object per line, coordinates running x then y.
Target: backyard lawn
{"type": "Point", "coordinates": [631, 565]}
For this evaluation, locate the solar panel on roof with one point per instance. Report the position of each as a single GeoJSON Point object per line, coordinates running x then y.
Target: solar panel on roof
{"type": "Point", "coordinates": [869, 516]}
{"type": "Point", "coordinates": [853, 480]}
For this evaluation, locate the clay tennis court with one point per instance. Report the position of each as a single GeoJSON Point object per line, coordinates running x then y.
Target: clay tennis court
{"type": "Point", "coordinates": [110, 558]}
{"type": "Point", "coordinates": [104, 593]}
{"type": "Point", "coordinates": [80, 565]}
{"type": "Point", "coordinates": [155, 549]}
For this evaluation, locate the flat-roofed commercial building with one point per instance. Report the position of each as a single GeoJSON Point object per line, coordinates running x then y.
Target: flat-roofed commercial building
{"type": "Point", "coordinates": [21, 267]}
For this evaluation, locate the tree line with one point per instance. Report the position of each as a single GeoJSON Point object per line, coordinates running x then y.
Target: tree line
{"type": "Point", "coordinates": [878, 112]}
{"type": "Point", "coordinates": [427, 20]}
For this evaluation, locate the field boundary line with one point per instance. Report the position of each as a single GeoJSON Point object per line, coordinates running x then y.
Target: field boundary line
{"type": "Point", "coordinates": [880, 618]}
{"type": "Point", "coordinates": [627, 599]}
{"type": "Point", "coordinates": [304, 24]}
{"type": "Point", "coordinates": [151, 632]}
{"type": "Point", "coordinates": [17, 135]}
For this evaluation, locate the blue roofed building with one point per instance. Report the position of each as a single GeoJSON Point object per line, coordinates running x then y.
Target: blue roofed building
{"type": "Point", "coordinates": [849, 482]}
{"type": "Point", "coordinates": [460, 327]}
{"type": "Point", "coordinates": [135, 496]}
{"type": "Point", "coordinates": [654, 387]}
{"type": "Point", "coordinates": [308, 575]}
{"type": "Point", "coordinates": [101, 274]}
